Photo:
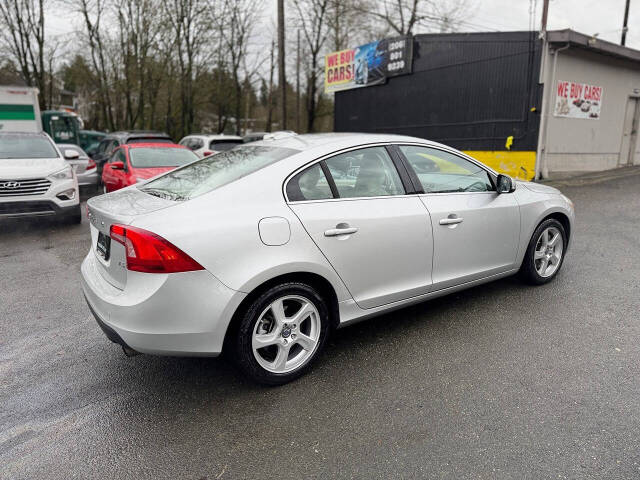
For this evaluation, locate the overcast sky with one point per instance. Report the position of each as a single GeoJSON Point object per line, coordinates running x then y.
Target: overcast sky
{"type": "Point", "coordinates": [603, 17]}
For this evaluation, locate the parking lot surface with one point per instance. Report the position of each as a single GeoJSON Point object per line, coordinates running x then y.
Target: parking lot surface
{"type": "Point", "coordinates": [501, 381]}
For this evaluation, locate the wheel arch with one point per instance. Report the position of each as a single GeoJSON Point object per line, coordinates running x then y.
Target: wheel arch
{"type": "Point", "coordinates": [320, 283]}
{"type": "Point", "coordinates": [562, 218]}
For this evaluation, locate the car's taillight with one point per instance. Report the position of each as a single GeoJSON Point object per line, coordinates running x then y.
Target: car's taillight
{"type": "Point", "coordinates": [206, 153]}
{"type": "Point", "coordinates": [150, 253]}
{"type": "Point", "coordinates": [91, 164]}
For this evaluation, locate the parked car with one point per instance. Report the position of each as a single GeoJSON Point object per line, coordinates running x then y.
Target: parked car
{"type": "Point", "coordinates": [134, 163]}
{"type": "Point", "coordinates": [253, 137]}
{"type": "Point", "coordinates": [115, 139]}
{"type": "Point", "coordinates": [35, 179]}
{"type": "Point", "coordinates": [90, 140]}
{"type": "Point", "coordinates": [83, 165]}
{"type": "Point", "coordinates": [204, 145]}
{"type": "Point", "coordinates": [264, 249]}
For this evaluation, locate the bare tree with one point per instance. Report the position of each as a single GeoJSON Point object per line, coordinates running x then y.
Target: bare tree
{"type": "Point", "coordinates": [192, 33]}
{"type": "Point", "coordinates": [236, 22]}
{"type": "Point", "coordinates": [402, 17]}
{"type": "Point", "coordinates": [22, 31]}
{"type": "Point", "coordinates": [311, 17]}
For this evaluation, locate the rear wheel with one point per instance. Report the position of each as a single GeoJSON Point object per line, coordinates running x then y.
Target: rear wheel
{"type": "Point", "coordinates": [281, 333]}
{"type": "Point", "coordinates": [545, 253]}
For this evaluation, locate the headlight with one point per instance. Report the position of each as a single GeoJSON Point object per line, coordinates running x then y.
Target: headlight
{"type": "Point", "coordinates": [64, 174]}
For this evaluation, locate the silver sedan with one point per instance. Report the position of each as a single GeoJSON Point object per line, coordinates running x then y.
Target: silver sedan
{"type": "Point", "coordinates": [265, 249]}
{"type": "Point", "coordinates": [82, 164]}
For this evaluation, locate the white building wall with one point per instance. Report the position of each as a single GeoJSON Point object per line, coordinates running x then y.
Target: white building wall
{"type": "Point", "coordinates": [574, 144]}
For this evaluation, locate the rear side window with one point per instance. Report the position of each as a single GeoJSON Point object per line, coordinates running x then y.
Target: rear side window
{"type": "Point", "coordinates": [212, 172]}
{"type": "Point", "coordinates": [367, 172]}
{"type": "Point", "coordinates": [310, 184]}
{"type": "Point", "coordinates": [26, 146]}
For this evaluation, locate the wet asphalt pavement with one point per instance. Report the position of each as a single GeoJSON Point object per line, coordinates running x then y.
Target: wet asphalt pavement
{"type": "Point", "coordinates": [501, 381]}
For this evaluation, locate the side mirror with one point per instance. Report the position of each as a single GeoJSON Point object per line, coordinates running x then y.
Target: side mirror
{"type": "Point", "coordinates": [70, 154]}
{"type": "Point", "coordinates": [505, 184]}
{"type": "Point", "coordinates": [117, 166]}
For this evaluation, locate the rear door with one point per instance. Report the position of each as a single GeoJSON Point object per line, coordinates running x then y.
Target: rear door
{"type": "Point", "coordinates": [475, 230]}
{"type": "Point", "coordinates": [378, 238]}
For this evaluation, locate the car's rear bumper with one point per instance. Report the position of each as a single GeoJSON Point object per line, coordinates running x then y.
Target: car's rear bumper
{"type": "Point", "coordinates": [89, 178]}
{"type": "Point", "coordinates": [176, 314]}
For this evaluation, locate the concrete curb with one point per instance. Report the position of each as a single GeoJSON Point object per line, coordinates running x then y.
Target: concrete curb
{"type": "Point", "coordinates": [592, 177]}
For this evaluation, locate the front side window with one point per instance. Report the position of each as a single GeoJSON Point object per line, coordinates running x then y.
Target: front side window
{"type": "Point", "coordinates": [212, 172]}
{"type": "Point", "coordinates": [160, 157]}
{"type": "Point", "coordinates": [367, 172]}
{"type": "Point", "coordinates": [310, 184]}
{"type": "Point", "coordinates": [444, 172]}
{"type": "Point", "coordinates": [26, 146]}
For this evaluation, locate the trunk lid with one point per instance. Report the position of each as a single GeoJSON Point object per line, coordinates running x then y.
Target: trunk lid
{"type": "Point", "coordinates": [120, 207]}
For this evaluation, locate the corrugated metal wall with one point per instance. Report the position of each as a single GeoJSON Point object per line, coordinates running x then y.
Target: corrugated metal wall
{"type": "Point", "coordinates": [470, 91]}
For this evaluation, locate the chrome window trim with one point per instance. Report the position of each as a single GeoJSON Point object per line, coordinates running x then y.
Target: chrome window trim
{"type": "Point", "coordinates": [443, 148]}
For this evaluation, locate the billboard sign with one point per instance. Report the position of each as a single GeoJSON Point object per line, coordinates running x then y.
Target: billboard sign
{"type": "Point", "coordinates": [577, 100]}
{"type": "Point", "coordinates": [369, 64]}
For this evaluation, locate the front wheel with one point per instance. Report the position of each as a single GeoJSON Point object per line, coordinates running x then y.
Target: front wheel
{"type": "Point", "coordinates": [281, 333]}
{"type": "Point", "coordinates": [545, 253]}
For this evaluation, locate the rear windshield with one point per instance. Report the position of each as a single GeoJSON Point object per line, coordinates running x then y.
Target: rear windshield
{"type": "Point", "coordinates": [212, 172]}
{"type": "Point", "coordinates": [26, 146]}
{"type": "Point", "coordinates": [223, 145]}
{"type": "Point", "coordinates": [160, 157]}
{"type": "Point", "coordinates": [149, 140]}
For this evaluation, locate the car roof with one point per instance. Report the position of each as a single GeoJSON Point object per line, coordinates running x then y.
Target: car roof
{"type": "Point", "coordinates": [314, 140]}
{"type": "Point", "coordinates": [216, 136]}
{"type": "Point", "coordinates": [155, 145]}
{"type": "Point", "coordinates": [126, 135]}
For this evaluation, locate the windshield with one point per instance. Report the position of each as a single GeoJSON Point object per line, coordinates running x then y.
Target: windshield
{"type": "Point", "coordinates": [223, 145]}
{"type": "Point", "coordinates": [26, 146]}
{"type": "Point", "coordinates": [212, 172]}
{"type": "Point", "coordinates": [160, 157]}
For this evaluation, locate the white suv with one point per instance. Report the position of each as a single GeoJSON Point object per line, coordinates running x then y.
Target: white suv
{"type": "Point", "coordinates": [35, 179]}
{"type": "Point", "coordinates": [204, 145]}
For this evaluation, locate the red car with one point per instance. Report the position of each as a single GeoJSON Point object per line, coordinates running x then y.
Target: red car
{"type": "Point", "coordinates": [130, 164]}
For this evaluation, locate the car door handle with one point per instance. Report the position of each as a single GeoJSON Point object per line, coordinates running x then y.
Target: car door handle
{"type": "Point", "coordinates": [341, 229]}
{"type": "Point", "coordinates": [451, 221]}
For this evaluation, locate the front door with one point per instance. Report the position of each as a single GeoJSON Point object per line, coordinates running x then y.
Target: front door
{"type": "Point", "coordinates": [377, 238]}
{"type": "Point", "coordinates": [475, 230]}
{"type": "Point", "coordinates": [630, 133]}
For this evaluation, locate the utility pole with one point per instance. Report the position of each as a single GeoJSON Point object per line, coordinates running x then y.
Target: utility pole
{"type": "Point", "coordinates": [545, 15]}
{"type": "Point", "coordinates": [281, 75]}
{"type": "Point", "coordinates": [624, 24]}
{"type": "Point", "coordinates": [298, 85]}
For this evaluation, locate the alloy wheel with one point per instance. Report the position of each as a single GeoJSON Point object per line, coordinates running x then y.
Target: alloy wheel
{"type": "Point", "coordinates": [548, 252]}
{"type": "Point", "coordinates": [286, 334]}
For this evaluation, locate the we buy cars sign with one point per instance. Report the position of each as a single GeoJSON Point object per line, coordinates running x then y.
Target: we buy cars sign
{"type": "Point", "coordinates": [578, 100]}
{"type": "Point", "coordinates": [368, 64]}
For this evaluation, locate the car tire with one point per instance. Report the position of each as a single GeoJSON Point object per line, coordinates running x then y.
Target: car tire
{"type": "Point", "coordinates": [292, 338]}
{"type": "Point", "coordinates": [543, 258]}
{"type": "Point", "coordinates": [75, 217]}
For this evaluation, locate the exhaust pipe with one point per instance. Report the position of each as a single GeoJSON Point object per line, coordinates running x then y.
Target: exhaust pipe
{"type": "Point", "coordinates": [129, 352]}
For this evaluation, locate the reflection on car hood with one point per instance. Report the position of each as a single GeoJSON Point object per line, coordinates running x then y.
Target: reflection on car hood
{"type": "Point", "coordinates": [19, 168]}
{"type": "Point", "coordinates": [539, 188]}
{"type": "Point", "coordinates": [128, 202]}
